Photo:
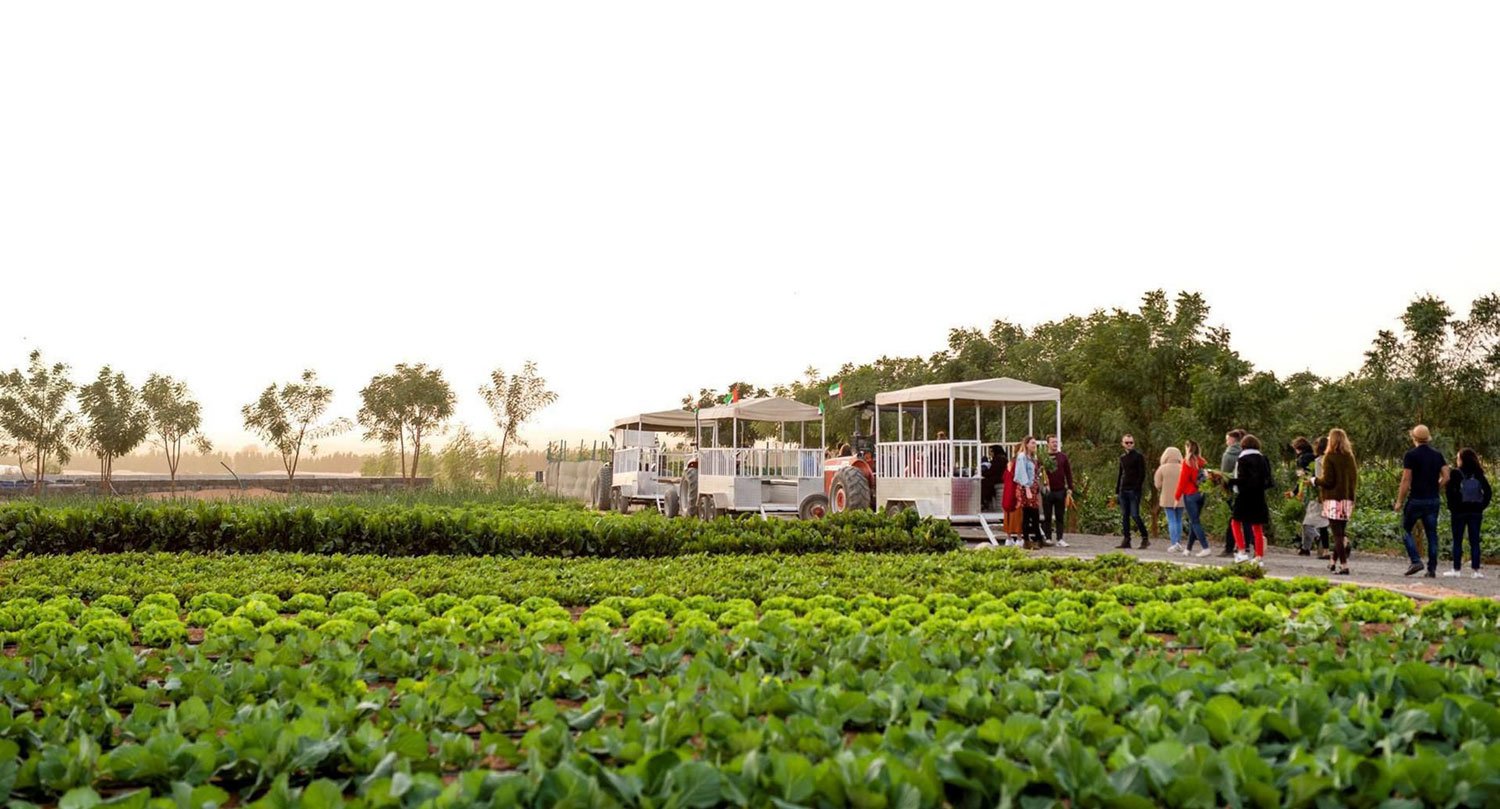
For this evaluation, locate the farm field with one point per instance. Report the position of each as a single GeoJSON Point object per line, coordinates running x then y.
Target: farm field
{"type": "Point", "coordinates": [741, 676]}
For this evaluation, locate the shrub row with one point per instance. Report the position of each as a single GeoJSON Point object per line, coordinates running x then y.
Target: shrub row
{"type": "Point", "coordinates": [120, 527]}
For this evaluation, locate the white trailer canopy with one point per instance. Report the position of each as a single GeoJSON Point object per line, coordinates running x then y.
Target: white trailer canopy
{"type": "Point", "coordinates": [662, 421]}
{"type": "Point", "coordinates": [1002, 390]}
{"type": "Point", "coordinates": [770, 408]}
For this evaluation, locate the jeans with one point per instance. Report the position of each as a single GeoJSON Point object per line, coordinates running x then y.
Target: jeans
{"type": "Point", "coordinates": [1054, 511]}
{"type": "Point", "coordinates": [1130, 507]}
{"type": "Point", "coordinates": [1424, 511]}
{"type": "Point", "coordinates": [1462, 522]}
{"type": "Point", "coordinates": [1174, 523]}
{"type": "Point", "coordinates": [1193, 504]}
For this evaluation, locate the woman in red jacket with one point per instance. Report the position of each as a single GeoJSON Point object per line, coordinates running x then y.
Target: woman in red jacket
{"type": "Point", "coordinates": [1192, 499]}
{"type": "Point", "coordinates": [1010, 503]}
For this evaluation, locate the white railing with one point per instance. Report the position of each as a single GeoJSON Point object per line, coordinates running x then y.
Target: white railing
{"type": "Point", "coordinates": [927, 459]}
{"type": "Point", "coordinates": [671, 464]}
{"type": "Point", "coordinates": [761, 462]}
{"type": "Point", "coordinates": [652, 461]}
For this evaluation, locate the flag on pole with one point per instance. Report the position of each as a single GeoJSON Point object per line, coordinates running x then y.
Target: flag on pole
{"type": "Point", "coordinates": [836, 389]}
{"type": "Point", "coordinates": [735, 394]}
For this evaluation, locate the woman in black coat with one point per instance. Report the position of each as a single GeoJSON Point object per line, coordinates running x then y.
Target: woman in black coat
{"type": "Point", "coordinates": [1252, 479]}
{"type": "Point", "coordinates": [1469, 495]}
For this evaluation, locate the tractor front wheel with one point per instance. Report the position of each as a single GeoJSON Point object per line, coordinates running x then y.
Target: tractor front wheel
{"type": "Point", "coordinates": [813, 507]}
{"type": "Point", "coordinates": [671, 503]}
{"type": "Point", "coordinates": [688, 490]}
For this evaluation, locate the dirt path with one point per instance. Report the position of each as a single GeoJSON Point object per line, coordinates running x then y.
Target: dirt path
{"type": "Point", "coordinates": [1376, 570]}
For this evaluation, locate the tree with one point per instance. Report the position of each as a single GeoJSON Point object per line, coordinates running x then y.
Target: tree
{"type": "Point", "coordinates": [288, 417]}
{"type": "Point", "coordinates": [34, 411]}
{"type": "Point", "coordinates": [116, 420]}
{"type": "Point", "coordinates": [403, 406]}
{"type": "Point", "coordinates": [512, 402]}
{"type": "Point", "coordinates": [173, 416]}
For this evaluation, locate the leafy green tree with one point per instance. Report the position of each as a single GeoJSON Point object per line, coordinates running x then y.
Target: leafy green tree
{"type": "Point", "coordinates": [288, 417]}
{"type": "Point", "coordinates": [34, 411]}
{"type": "Point", "coordinates": [173, 417]}
{"type": "Point", "coordinates": [403, 407]}
{"type": "Point", "coordinates": [116, 420]}
{"type": "Point", "coordinates": [512, 401]}
{"type": "Point", "coordinates": [465, 460]}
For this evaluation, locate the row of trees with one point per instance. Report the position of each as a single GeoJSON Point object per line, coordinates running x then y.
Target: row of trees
{"type": "Point", "coordinates": [1163, 372]}
{"type": "Point", "coordinates": [402, 409]}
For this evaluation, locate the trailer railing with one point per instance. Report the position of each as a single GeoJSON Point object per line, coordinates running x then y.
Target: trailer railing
{"type": "Point", "coordinates": [927, 459]}
{"type": "Point", "coordinates": [762, 462]}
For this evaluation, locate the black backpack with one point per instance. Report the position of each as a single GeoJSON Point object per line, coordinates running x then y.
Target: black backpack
{"type": "Point", "coordinates": [1469, 491]}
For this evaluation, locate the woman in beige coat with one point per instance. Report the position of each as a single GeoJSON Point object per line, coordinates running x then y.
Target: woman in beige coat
{"type": "Point", "coordinates": [1166, 483]}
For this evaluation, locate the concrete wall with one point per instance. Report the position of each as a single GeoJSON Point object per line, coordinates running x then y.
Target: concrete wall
{"type": "Point", "coordinates": [572, 479]}
{"type": "Point", "coordinates": [129, 486]}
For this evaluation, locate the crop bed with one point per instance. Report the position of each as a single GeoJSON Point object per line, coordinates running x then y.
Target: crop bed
{"type": "Point", "coordinates": [1137, 691]}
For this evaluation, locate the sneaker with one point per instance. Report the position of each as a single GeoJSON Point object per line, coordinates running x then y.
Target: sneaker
{"type": "Point", "coordinates": [1047, 543]}
{"type": "Point", "coordinates": [1343, 571]}
{"type": "Point", "coordinates": [1174, 549]}
{"type": "Point", "coordinates": [1452, 574]}
{"type": "Point", "coordinates": [1431, 574]}
{"type": "Point", "coordinates": [1203, 553]}
{"type": "Point", "coordinates": [1241, 556]}
{"type": "Point", "coordinates": [1125, 545]}
{"type": "Point", "coordinates": [1476, 575]}
{"type": "Point", "coordinates": [1145, 543]}
{"type": "Point", "coordinates": [1416, 567]}
{"type": "Point", "coordinates": [1304, 552]}
{"type": "Point", "coordinates": [1061, 544]}
{"type": "Point", "coordinates": [1258, 561]}
{"type": "Point", "coordinates": [1325, 555]}
{"type": "Point", "coordinates": [1226, 554]}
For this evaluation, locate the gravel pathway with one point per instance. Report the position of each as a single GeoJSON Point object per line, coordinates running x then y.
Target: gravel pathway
{"type": "Point", "coordinates": [1370, 569]}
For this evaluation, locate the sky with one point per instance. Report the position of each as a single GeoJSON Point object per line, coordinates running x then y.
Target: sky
{"type": "Point", "coordinates": [649, 198]}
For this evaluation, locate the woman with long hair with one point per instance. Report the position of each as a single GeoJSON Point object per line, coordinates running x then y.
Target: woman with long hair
{"type": "Point", "coordinates": [1009, 502]}
{"type": "Point", "coordinates": [1469, 495]}
{"type": "Point", "coordinates": [1337, 482]}
{"type": "Point", "coordinates": [1191, 496]}
{"type": "Point", "coordinates": [1252, 477]}
{"type": "Point", "coordinates": [1026, 493]}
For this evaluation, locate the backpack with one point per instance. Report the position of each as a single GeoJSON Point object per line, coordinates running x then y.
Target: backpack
{"type": "Point", "coordinates": [1469, 491]}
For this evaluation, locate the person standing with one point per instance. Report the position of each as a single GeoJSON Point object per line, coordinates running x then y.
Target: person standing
{"type": "Point", "coordinates": [991, 477]}
{"type": "Point", "coordinates": [1312, 513]}
{"type": "Point", "coordinates": [1469, 495]}
{"type": "Point", "coordinates": [1192, 497]}
{"type": "Point", "coordinates": [1251, 481]}
{"type": "Point", "coordinates": [1129, 481]}
{"type": "Point", "coordinates": [1337, 480]}
{"type": "Point", "coordinates": [1227, 464]}
{"type": "Point", "coordinates": [1059, 486]}
{"type": "Point", "coordinates": [1027, 495]}
{"type": "Point", "coordinates": [1424, 473]}
{"type": "Point", "coordinates": [1009, 502]}
{"type": "Point", "coordinates": [1168, 473]}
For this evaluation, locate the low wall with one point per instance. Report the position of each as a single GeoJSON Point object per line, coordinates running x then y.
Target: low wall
{"type": "Point", "coordinates": [130, 486]}
{"type": "Point", "coordinates": [572, 479]}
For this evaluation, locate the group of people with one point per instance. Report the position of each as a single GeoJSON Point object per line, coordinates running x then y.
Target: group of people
{"type": "Point", "coordinates": [1327, 479]}
{"type": "Point", "coordinates": [1032, 487]}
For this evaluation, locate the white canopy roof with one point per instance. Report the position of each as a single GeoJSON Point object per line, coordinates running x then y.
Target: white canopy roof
{"type": "Point", "coordinates": [770, 408]}
{"type": "Point", "coordinates": [662, 421]}
{"type": "Point", "coordinates": [1002, 390]}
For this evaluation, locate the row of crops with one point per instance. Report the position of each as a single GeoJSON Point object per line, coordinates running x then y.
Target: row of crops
{"type": "Point", "coordinates": [891, 680]}
{"type": "Point", "coordinates": [553, 530]}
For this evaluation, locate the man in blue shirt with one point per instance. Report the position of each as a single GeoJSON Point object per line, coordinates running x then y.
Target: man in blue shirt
{"type": "Point", "coordinates": [1424, 473]}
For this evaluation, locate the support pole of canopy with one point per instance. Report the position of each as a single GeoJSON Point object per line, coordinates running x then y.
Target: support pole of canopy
{"type": "Point", "coordinates": [952, 434]}
{"type": "Point", "coordinates": [1004, 411]}
{"type": "Point", "coordinates": [1030, 419]}
{"type": "Point", "coordinates": [900, 421]}
{"type": "Point", "coordinates": [1057, 404]}
{"type": "Point", "coordinates": [977, 436]}
{"type": "Point", "coordinates": [924, 421]}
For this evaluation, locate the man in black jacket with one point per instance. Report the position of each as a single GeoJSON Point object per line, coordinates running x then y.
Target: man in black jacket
{"type": "Point", "coordinates": [1129, 482]}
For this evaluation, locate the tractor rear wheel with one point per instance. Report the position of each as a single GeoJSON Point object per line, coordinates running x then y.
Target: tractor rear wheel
{"type": "Point", "coordinates": [706, 508]}
{"type": "Point", "coordinates": [671, 503]}
{"type": "Point", "coordinates": [689, 490]}
{"type": "Point", "coordinates": [850, 491]}
{"type": "Point", "coordinates": [813, 507]}
{"type": "Point", "coordinates": [894, 508]}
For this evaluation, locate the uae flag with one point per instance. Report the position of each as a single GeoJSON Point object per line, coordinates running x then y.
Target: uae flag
{"type": "Point", "coordinates": [836, 389]}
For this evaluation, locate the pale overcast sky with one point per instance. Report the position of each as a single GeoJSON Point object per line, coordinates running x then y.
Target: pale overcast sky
{"type": "Point", "coordinates": [647, 198]}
